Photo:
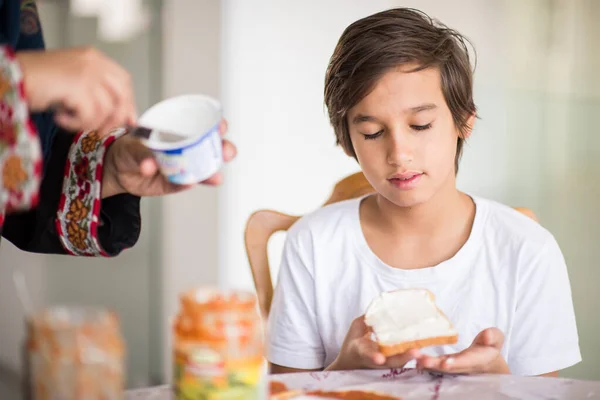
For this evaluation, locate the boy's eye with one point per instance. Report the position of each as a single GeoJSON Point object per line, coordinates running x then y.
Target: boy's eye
{"type": "Point", "coordinates": [420, 127]}
{"type": "Point", "coordinates": [372, 135]}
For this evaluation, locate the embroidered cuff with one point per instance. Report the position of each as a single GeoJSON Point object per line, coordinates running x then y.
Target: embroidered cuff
{"type": "Point", "coordinates": [20, 151]}
{"type": "Point", "coordinates": [79, 206]}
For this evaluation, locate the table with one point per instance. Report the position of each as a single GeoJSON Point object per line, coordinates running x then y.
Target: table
{"type": "Point", "coordinates": [409, 384]}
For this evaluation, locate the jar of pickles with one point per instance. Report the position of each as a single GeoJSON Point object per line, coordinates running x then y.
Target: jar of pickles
{"type": "Point", "coordinates": [74, 353]}
{"type": "Point", "coordinates": [218, 346]}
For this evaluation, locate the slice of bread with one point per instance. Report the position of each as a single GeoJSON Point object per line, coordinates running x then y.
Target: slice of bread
{"type": "Point", "coordinates": [407, 319]}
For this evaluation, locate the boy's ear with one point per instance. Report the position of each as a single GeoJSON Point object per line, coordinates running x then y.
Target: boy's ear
{"type": "Point", "coordinates": [470, 121]}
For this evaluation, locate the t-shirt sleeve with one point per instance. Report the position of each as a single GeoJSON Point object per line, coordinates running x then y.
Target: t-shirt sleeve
{"type": "Point", "coordinates": [293, 337]}
{"type": "Point", "coordinates": [544, 338]}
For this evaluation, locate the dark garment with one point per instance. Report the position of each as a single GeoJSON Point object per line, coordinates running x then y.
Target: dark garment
{"type": "Point", "coordinates": [35, 230]}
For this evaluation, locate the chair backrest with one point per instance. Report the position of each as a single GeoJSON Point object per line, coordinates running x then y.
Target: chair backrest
{"type": "Point", "coordinates": [264, 223]}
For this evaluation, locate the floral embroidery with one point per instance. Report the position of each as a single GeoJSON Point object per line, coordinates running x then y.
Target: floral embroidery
{"type": "Point", "coordinates": [82, 171]}
{"type": "Point", "coordinates": [20, 150]}
{"type": "Point", "coordinates": [77, 211]}
{"type": "Point", "coordinates": [7, 133]}
{"type": "Point", "coordinates": [77, 236]}
{"type": "Point", "coordinates": [90, 142]}
{"type": "Point", "coordinates": [13, 173]}
{"type": "Point", "coordinates": [4, 85]}
{"type": "Point", "coordinates": [79, 208]}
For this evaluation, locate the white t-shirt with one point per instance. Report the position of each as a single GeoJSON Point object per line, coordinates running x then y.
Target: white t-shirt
{"type": "Point", "coordinates": [510, 274]}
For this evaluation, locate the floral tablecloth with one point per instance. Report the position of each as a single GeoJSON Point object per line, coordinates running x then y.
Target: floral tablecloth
{"type": "Point", "coordinates": [409, 384]}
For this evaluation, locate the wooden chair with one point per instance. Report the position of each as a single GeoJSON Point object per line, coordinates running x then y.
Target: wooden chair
{"type": "Point", "coordinates": [264, 223]}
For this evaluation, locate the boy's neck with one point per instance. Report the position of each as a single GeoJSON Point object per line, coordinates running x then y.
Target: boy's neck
{"type": "Point", "coordinates": [446, 208]}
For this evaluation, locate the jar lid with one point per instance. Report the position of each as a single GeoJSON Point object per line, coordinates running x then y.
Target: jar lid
{"type": "Point", "coordinates": [208, 299]}
{"type": "Point", "coordinates": [213, 314]}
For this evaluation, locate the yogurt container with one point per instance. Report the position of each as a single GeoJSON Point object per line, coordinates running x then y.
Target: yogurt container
{"type": "Point", "coordinates": [194, 152]}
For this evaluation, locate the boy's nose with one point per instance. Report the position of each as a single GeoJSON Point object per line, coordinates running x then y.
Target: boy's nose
{"type": "Point", "coordinates": [399, 152]}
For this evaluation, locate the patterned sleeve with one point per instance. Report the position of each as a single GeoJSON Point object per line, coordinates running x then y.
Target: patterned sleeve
{"type": "Point", "coordinates": [62, 212]}
{"type": "Point", "coordinates": [71, 217]}
{"type": "Point", "coordinates": [79, 209]}
{"type": "Point", "coordinates": [20, 151]}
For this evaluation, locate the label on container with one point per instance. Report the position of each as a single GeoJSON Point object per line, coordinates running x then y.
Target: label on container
{"type": "Point", "coordinates": [202, 373]}
{"type": "Point", "coordinates": [194, 162]}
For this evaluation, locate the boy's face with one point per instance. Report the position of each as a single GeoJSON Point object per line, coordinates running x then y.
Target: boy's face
{"type": "Point", "coordinates": [404, 136]}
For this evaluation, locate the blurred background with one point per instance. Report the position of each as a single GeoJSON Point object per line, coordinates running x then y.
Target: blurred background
{"type": "Point", "coordinates": [536, 145]}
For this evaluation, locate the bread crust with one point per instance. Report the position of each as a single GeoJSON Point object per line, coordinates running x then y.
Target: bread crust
{"type": "Point", "coordinates": [403, 347]}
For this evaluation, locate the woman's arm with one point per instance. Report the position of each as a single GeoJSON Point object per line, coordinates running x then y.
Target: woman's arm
{"type": "Point", "coordinates": [71, 217]}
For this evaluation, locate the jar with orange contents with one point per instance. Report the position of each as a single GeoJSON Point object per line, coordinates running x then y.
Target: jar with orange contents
{"type": "Point", "coordinates": [218, 346]}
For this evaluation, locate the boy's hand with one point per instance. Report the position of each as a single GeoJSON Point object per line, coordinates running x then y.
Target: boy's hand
{"type": "Point", "coordinates": [360, 352]}
{"type": "Point", "coordinates": [483, 356]}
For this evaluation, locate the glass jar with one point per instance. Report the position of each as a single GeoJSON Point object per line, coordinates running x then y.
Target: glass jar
{"type": "Point", "coordinates": [218, 348]}
{"type": "Point", "coordinates": [74, 353]}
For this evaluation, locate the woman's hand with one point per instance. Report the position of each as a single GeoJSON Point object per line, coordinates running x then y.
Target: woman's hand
{"type": "Point", "coordinates": [86, 89]}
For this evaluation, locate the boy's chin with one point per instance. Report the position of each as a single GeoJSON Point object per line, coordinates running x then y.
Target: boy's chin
{"type": "Point", "coordinates": [407, 199]}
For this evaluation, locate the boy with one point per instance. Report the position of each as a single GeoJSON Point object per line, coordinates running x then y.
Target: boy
{"type": "Point", "coordinates": [399, 92]}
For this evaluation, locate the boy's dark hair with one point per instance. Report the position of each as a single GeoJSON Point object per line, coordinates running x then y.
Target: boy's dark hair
{"type": "Point", "coordinates": [372, 46]}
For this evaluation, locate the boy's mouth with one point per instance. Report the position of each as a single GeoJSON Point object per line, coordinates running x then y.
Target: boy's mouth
{"type": "Point", "coordinates": [405, 175]}
{"type": "Point", "coordinates": [407, 180]}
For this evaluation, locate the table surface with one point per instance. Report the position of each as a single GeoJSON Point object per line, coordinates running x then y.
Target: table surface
{"type": "Point", "coordinates": [409, 384]}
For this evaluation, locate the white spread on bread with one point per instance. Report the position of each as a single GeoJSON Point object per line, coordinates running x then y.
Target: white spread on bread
{"type": "Point", "coordinates": [405, 316]}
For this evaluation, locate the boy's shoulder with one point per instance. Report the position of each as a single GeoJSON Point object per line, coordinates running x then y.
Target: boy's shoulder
{"type": "Point", "coordinates": [507, 223]}
{"type": "Point", "coordinates": [502, 224]}
{"type": "Point", "coordinates": [326, 220]}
